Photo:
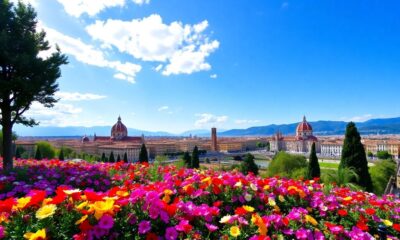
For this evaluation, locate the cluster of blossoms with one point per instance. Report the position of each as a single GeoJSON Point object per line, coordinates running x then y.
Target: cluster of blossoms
{"type": "Point", "coordinates": [193, 204]}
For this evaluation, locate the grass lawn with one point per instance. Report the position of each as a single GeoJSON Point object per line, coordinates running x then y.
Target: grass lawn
{"type": "Point", "coordinates": [328, 165]}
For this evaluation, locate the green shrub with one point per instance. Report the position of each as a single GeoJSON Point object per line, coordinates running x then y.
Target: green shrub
{"type": "Point", "coordinates": [283, 164]}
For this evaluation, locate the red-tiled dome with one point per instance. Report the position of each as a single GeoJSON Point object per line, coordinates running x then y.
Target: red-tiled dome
{"type": "Point", "coordinates": [119, 130]}
{"type": "Point", "coordinates": [304, 126]}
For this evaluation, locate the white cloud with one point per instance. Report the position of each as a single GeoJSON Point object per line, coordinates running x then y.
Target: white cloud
{"type": "Point", "coordinates": [75, 96]}
{"type": "Point", "coordinates": [163, 108]}
{"type": "Point", "coordinates": [183, 48]}
{"type": "Point", "coordinates": [92, 7]}
{"type": "Point", "coordinates": [88, 54]}
{"type": "Point", "coordinates": [246, 121]}
{"type": "Point", "coordinates": [208, 119]}
{"type": "Point", "coordinates": [362, 118]}
{"type": "Point", "coordinates": [124, 77]}
{"type": "Point", "coordinates": [59, 115]}
{"type": "Point", "coordinates": [214, 76]}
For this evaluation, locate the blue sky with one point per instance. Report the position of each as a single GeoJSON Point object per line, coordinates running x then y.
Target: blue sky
{"type": "Point", "coordinates": [175, 65]}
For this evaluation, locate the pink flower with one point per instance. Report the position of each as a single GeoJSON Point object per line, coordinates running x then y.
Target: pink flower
{"type": "Point", "coordinates": [144, 227]}
{"type": "Point", "coordinates": [2, 235]}
{"type": "Point", "coordinates": [211, 227]}
{"type": "Point", "coordinates": [106, 222]}
{"type": "Point", "coordinates": [171, 234]}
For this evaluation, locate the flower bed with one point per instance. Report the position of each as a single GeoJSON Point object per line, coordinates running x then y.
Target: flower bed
{"type": "Point", "coordinates": [131, 201]}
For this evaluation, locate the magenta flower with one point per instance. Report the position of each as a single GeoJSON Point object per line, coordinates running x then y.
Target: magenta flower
{"type": "Point", "coordinates": [211, 227]}
{"type": "Point", "coordinates": [171, 234]}
{"type": "Point", "coordinates": [301, 234]}
{"type": "Point", "coordinates": [144, 227]}
{"type": "Point", "coordinates": [2, 232]}
{"type": "Point", "coordinates": [106, 222]}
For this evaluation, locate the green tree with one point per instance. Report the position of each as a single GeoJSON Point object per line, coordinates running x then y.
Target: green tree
{"type": "Point", "coordinates": [19, 151]}
{"type": "Point", "coordinates": [103, 157]}
{"type": "Point", "coordinates": [354, 157]}
{"type": "Point", "coordinates": [46, 149]}
{"type": "Point", "coordinates": [61, 155]}
{"type": "Point", "coordinates": [248, 165]}
{"type": "Point", "coordinates": [381, 173]}
{"type": "Point", "coordinates": [383, 155]}
{"type": "Point", "coordinates": [118, 158]}
{"type": "Point", "coordinates": [370, 154]}
{"type": "Point", "coordinates": [313, 166]}
{"type": "Point", "coordinates": [143, 155]}
{"type": "Point", "coordinates": [38, 154]}
{"type": "Point", "coordinates": [187, 159]}
{"type": "Point", "coordinates": [343, 177]}
{"type": "Point", "coordinates": [195, 163]}
{"type": "Point", "coordinates": [111, 158]}
{"type": "Point", "coordinates": [125, 157]}
{"type": "Point", "coordinates": [25, 77]}
{"type": "Point", "coordinates": [284, 164]}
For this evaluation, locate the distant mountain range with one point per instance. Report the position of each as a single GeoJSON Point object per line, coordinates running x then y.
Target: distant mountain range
{"type": "Point", "coordinates": [373, 126]}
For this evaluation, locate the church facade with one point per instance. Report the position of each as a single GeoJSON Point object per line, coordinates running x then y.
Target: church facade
{"type": "Point", "coordinates": [300, 143]}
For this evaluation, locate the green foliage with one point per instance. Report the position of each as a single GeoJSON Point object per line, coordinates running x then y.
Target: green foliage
{"type": "Point", "coordinates": [283, 164]}
{"type": "Point", "coordinates": [46, 149]}
{"type": "Point", "coordinates": [187, 159]}
{"type": "Point", "coordinates": [24, 76]}
{"type": "Point", "coordinates": [370, 154]}
{"type": "Point", "coordinates": [38, 154]}
{"type": "Point", "coordinates": [354, 157]}
{"type": "Point", "coordinates": [125, 157]}
{"type": "Point", "coordinates": [383, 155]}
{"type": "Point", "coordinates": [143, 155]}
{"type": "Point", "coordinates": [313, 165]}
{"type": "Point", "coordinates": [299, 173]}
{"type": "Point", "coordinates": [161, 159]}
{"type": "Point", "coordinates": [19, 151]}
{"type": "Point", "coordinates": [118, 158]}
{"type": "Point", "coordinates": [343, 177]}
{"type": "Point", "coordinates": [248, 165]}
{"type": "Point", "coordinates": [61, 155]}
{"type": "Point", "coordinates": [103, 157]}
{"type": "Point", "coordinates": [381, 173]}
{"type": "Point", "coordinates": [111, 158]}
{"type": "Point", "coordinates": [195, 163]}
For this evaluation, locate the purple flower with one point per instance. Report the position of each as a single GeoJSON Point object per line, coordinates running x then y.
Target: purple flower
{"type": "Point", "coordinates": [211, 227]}
{"type": "Point", "coordinates": [106, 222]}
{"type": "Point", "coordinates": [144, 227]}
{"type": "Point", "coordinates": [301, 234]}
{"type": "Point", "coordinates": [171, 234]}
{"type": "Point", "coordinates": [2, 235]}
{"type": "Point", "coordinates": [99, 232]}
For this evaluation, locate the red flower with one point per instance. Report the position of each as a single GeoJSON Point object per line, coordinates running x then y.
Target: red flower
{"type": "Point", "coordinates": [6, 205]}
{"type": "Point", "coordinates": [342, 212]}
{"type": "Point", "coordinates": [240, 211]}
{"type": "Point", "coordinates": [151, 236]}
{"type": "Point", "coordinates": [85, 226]}
{"type": "Point", "coordinates": [370, 211]}
{"type": "Point", "coordinates": [361, 225]}
{"type": "Point", "coordinates": [396, 227]}
{"type": "Point", "coordinates": [285, 221]}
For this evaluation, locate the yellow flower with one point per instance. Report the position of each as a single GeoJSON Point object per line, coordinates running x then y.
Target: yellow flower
{"type": "Point", "coordinates": [166, 198]}
{"type": "Point", "coordinates": [39, 235]}
{"type": "Point", "coordinates": [235, 231]}
{"type": "Point", "coordinates": [225, 219]}
{"type": "Point", "coordinates": [82, 205]}
{"type": "Point", "coordinates": [122, 193]}
{"type": "Point", "coordinates": [281, 198]}
{"type": "Point", "coordinates": [238, 184]}
{"type": "Point", "coordinates": [267, 187]}
{"type": "Point", "coordinates": [253, 186]}
{"type": "Point", "coordinates": [207, 179]}
{"type": "Point", "coordinates": [311, 220]}
{"type": "Point", "coordinates": [387, 223]}
{"type": "Point", "coordinates": [102, 207]}
{"type": "Point", "coordinates": [347, 198]}
{"type": "Point", "coordinates": [69, 192]}
{"type": "Point", "coordinates": [22, 202]}
{"type": "Point", "coordinates": [83, 218]}
{"type": "Point", "coordinates": [271, 202]}
{"type": "Point", "coordinates": [248, 197]}
{"type": "Point", "coordinates": [168, 192]}
{"type": "Point", "coordinates": [248, 208]}
{"type": "Point", "coordinates": [46, 211]}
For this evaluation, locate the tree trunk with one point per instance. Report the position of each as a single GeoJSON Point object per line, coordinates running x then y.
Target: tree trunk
{"type": "Point", "coordinates": [7, 141]}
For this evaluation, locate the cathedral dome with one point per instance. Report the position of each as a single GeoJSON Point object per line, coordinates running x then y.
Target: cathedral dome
{"type": "Point", "coordinates": [119, 130]}
{"type": "Point", "coordinates": [304, 126]}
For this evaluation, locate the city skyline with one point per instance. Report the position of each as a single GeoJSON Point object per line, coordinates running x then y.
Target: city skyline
{"type": "Point", "coordinates": [168, 70]}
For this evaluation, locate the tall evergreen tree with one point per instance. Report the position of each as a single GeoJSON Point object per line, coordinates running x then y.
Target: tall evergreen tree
{"type": "Point", "coordinates": [125, 157]}
{"type": "Point", "coordinates": [187, 160]}
{"type": "Point", "coordinates": [25, 77]}
{"type": "Point", "coordinates": [118, 158]}
{"type": "Point", "coordinates": [249, 165]}
{"type": "Point", "coordinates": [18, 153]}
{"type": "Point", "coordinates": [354, 157]}
{"type": "Point", "coordinates": [143, 156]}
{"type": "Point", "coordinates": [38, 154]}
{"type": "Point", "coordinates": [61, 155]}
{"type": "Point", "coordinates": [195, 158]}
{"type": "Point", "coordinates": [103, 157]}
{"type": "Point", "coordinates": [111, 158]}
{"type": "Point", "coordinates": [313, 166]}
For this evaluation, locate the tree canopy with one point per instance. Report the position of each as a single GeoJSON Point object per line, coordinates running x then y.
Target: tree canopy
{"type": "Point", "coordinates": [143, 155]}
{"type": "Point", "coordinates": [354, 157]}
{"type": "Point", "coordinates": [284, 164]}
{"type": "Point", "coordinates": [195, 163]}
{"type": "Point", "coordinates": [248, 165]}
{"type": "Point", "coordinates": [313, 166]}
{"type": "Point", "coordinates": [25, 76]}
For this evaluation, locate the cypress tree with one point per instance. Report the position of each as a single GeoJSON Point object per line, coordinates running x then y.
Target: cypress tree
{"type": "Point", "coordinates": [313, 166]}
{"type": "Point", "coordinates": [38, 154]}
{"type": "Point", "coordinates": [125, 157]}
{"type": "Point", "coordinates": [187, 160]}
{"type": "Point", "coordinates": [249, 165]}
{"type": "Point", "coordinates": [143, 156]}
{"type": "Point", "coordinates": [111, 158]}
{"type": "Point", "coordinates": [195, 158]}
{"type": "Point", "coordinates": [118, 158]}
{"type": "Point", "coordinates": [18, 153]}
{"type": "Point", "coordinates": [354, 157]}
{"type": "Point", "coordinates": [61, 155]}
{"type": "Point", "coordinates": [103, 157]}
